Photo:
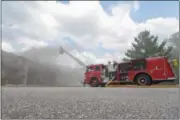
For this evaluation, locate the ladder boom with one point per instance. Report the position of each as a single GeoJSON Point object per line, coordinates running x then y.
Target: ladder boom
{"type": "Point", "coordinates": [73, 57]}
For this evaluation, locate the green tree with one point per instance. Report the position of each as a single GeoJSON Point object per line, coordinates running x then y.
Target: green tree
{"type": "Point", "coordinates": [146, 45]}
{"type": "Point", "coordinates": [175, 41]}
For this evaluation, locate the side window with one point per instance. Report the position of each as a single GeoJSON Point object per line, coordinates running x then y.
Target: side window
{"type": "Point", "coordinates": [125, 67]}
{"type": "Point", "coordinates": [97, 68]}
{"type": "Point", "coordinates": [139, 65]}
{"type": "Point", "coordinates": [89, 69]}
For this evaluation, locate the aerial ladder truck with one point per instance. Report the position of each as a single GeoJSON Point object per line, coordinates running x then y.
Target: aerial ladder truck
{"type": "Point", "coordinates": [145, 71]}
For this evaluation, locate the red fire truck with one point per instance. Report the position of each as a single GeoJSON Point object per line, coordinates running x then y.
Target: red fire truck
{"type": "Point", "coordinates": [140, 71]}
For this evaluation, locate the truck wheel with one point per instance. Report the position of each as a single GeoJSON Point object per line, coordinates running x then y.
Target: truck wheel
{"type": "Point", "coordinates": [143, 80]}
{"type": "Point", "coordinates": [94, 83]}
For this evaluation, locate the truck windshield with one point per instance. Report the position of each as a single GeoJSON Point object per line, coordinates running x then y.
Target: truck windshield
{"type": "Point", "coordinates": [88, 69]}
{"type": "Point", "coordinates": [124, 67]}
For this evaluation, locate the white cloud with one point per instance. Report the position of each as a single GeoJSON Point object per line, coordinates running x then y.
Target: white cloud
{"type": "Point", "coordinates": [163, 27]}
{"type": "Point", "coordinates": [30, 43]}
{"type": "Point", "coordinates": [136, 5]}
{"type": "Point", "coordinates": [7, 47]}
{"type": "Point", "coordinates": [86, 22]}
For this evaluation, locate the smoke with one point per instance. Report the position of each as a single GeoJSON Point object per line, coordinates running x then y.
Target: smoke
{"type": "Point", "coordinates": [68, 72]}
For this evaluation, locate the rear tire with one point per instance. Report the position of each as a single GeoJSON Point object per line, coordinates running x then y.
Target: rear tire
{"type": "Point", "coordinates": [143, 80]}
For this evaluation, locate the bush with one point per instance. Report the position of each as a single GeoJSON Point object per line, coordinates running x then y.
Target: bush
{"type": "Point", "coordinates": [177, 74]}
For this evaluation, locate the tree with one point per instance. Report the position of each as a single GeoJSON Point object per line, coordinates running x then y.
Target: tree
{"type": "Point", "coordinates": [175, 40]}
{"type": "Point", "coordinates": [146, 45]}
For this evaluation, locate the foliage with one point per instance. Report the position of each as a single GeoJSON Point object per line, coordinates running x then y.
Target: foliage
{"type": "Point", "coordinates": [175, 41]}
{"type": "Point", "coordinates": [146, 45]}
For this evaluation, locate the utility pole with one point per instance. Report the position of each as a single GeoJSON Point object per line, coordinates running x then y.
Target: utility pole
{"type": "Point", "coordinates": [24, 70]}
{"type": "Point", "coordinates": [3, 74]}
{"type": "Point", "coordinates": [26, 73]}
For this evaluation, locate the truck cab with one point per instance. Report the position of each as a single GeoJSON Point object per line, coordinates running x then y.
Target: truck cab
{"type": "Point", "coordinates": [93, 74]}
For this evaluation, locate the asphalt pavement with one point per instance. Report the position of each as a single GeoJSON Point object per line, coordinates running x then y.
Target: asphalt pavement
{"type": "Point", "coordinates": [89, 103]}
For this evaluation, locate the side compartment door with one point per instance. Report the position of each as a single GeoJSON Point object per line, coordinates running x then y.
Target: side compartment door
{"type": "Point", "coordinates": [124, 71]}
{"type": "Point", "coordinates": [158, 70]}
{"type": "Point", "coordinates": [131, 72]}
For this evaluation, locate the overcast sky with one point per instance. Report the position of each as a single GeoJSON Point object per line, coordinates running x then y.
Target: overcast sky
{"type": "Point", "coordinates": [92, 31]}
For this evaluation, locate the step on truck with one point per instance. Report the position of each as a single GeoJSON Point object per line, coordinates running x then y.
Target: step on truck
{"type": "Point", "coordinates": [144, 71]}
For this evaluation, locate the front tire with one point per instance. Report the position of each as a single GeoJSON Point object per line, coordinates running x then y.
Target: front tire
{"type": "Point", "coordinates": [143, 80]}
{"type": "Point", "coordinates": [94, 83]}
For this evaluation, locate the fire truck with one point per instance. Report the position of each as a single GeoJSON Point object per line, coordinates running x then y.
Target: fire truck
{"type": "Point", "coordinates": [143, 71]}
{"type": "Point", "coordinates": [140, 71]}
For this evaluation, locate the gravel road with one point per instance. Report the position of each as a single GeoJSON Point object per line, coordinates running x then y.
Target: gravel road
{"type": "Point", "coordinates": [90, 103]}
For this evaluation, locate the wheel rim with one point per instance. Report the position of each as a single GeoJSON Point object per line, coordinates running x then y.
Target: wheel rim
{"type": "Point", "coordinates": [94, 83]}
{"type": "Point", "coordinates": [142, 80]}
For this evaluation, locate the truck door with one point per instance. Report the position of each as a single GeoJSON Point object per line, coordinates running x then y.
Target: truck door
{"type": "Point", "coordinates": [89, 73]}
{"type": "Point", "coordinates": [97, 71]}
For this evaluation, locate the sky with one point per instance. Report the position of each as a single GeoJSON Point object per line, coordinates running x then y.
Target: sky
{"type": "Point", "coordinates": [93, 31]}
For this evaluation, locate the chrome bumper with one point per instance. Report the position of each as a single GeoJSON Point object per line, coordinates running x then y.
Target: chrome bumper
{"type": "Point", "coordinates": [172, 78]}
